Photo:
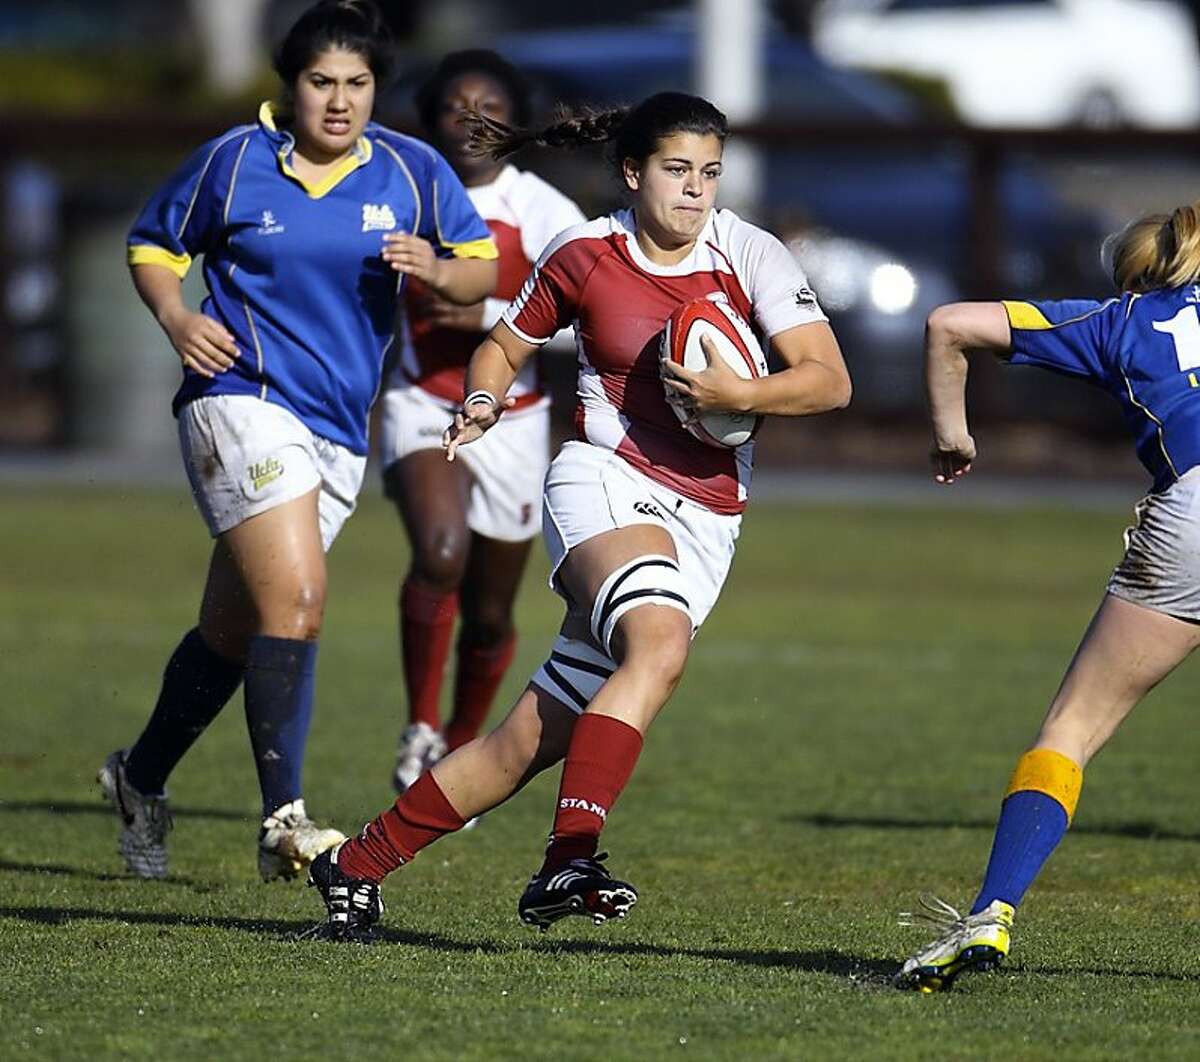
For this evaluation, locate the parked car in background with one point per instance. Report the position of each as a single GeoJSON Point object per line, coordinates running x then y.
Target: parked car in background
{"type": "Point", "coordinates": [883, 226]}
{"type": "Point", "coordinates": [1030, 63]}
{"type": "Point", "coordinates": [912, 198]}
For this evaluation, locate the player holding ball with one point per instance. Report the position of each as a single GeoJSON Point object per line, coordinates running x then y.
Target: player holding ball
{"type": "Point", "coordinates": [640, 516]}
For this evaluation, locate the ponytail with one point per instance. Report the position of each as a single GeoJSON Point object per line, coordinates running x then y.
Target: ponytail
{"type": "Point", "coordinates": [635, 133]}
{"type": "Point", "coordinates": [569, 129]}
{"type": "Point", "coordinates": [1157, 251]}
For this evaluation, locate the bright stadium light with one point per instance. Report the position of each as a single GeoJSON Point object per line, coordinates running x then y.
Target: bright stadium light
{"type": "Point", "coordinates": [893, 288]}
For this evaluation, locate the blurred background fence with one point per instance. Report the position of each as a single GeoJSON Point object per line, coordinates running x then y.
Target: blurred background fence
{"type": "Point", "coordinates": [894, 189]}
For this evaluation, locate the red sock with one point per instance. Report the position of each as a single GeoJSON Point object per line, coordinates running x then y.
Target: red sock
{"type": "Point", "coordinates": [418, 818]}
{"type": "Point", "coordinates": [426, 624]}
{"type": "Point", "coordinates": [600, 759]}
{"type": "Point", "coordinates": [479, 674]}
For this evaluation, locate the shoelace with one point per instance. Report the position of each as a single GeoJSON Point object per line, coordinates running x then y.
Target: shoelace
{"type": "Point", "coordinates": [158, 813]}
{"type": "Point", "coordinates": [937, 913]}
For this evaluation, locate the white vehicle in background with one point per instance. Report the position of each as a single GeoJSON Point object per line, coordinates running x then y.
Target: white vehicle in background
{"type": "Point", "coordinates": [1030, 63]}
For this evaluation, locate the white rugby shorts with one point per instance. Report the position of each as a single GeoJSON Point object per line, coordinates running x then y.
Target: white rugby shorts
{"type": "Point", "coordinates": [507, 464]}
{"type": "Point", "coordinates": [1161, 565]}
{"type": "Point", "coordinates": [590, 490]}
{"type": "Point", "coordinates": [245, 456]}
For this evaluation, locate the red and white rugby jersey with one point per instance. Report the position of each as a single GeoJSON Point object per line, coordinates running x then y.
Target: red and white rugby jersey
{"type": "Point", "coordinates": [524, 214]}
{"type": "Point", "coordinates": [596, 277]}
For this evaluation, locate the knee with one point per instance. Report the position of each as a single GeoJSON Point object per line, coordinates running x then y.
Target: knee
{"type": "Point", "coordinates": [299, 614]}
{"type": "Point", "coordinates": [440, 557]}
{"type": "Point", "coordinates": [654, 645]}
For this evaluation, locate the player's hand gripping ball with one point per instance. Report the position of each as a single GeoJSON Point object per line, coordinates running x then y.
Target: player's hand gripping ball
{"type": "Point", "coordinates": [735, 343]}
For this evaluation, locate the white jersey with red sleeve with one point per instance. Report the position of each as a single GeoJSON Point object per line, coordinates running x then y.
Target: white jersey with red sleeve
{"type": "Point", "coordinates": [524, 213]}
{"type": "Point", "coordinates": [594, 276]}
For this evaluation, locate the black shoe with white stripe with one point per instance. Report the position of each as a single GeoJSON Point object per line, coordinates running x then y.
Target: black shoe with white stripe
{"type": "Point", "coordinates": [580, 887]}
{"type": "Point", "coordinates": [352, 905]}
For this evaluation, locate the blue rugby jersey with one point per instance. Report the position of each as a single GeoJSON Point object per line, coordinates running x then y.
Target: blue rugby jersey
{"type": "Point", "coordinates": [294, 271]}
{"type": "Point", "coordinates": [1143, 349]}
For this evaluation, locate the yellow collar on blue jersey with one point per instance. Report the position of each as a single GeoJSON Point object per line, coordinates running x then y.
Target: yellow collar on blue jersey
{"type": "Point", "coordinates": [360, 155]}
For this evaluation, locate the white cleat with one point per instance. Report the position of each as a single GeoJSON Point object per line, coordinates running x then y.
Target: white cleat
{"type": "Point", "coordinates": [145, 820]}
{"type": "Point", "coordinates": [974, 942]}
{"type": "Point", "coordinates": [420, 748]}
{"type": "Point", "coordinates": [289, 840]}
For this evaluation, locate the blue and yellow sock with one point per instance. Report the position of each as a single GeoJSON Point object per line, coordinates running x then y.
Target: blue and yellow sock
{"type": "Point", "coordinates": [197, 683]}
{"type": "Point", "coordinates": [1037, 810]}
{"type": "Point", "coordinates": [280, 679]}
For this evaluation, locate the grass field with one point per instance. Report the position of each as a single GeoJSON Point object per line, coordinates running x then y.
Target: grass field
{"type": "Point", "coordinates": [839, 744]}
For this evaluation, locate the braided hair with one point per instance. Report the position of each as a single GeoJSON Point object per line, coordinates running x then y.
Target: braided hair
{"type": "Point", "coordinates": [634, 132]}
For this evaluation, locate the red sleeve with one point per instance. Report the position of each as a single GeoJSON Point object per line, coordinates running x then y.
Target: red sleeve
{"type": "Point", "coordinates": [549, 299]}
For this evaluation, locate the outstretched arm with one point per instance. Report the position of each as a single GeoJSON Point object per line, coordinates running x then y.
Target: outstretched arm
{"type": "Point", "coordinates": [950, 332]}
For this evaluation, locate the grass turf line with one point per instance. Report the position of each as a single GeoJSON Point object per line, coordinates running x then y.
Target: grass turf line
{"type": "Point", "coordinates": [840, 742]}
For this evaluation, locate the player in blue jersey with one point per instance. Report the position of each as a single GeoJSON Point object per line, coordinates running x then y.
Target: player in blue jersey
{"type": "Point", "coordinates": [308, 221]}
{"type": "Point", "coordinates": [1143, 347]}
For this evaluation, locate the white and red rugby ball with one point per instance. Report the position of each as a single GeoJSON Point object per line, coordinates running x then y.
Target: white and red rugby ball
{"type": "Point", "coordinates": [736, 344]}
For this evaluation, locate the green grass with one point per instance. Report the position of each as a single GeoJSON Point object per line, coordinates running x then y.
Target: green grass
{"type": "Point", "coordinates": [840, 743]}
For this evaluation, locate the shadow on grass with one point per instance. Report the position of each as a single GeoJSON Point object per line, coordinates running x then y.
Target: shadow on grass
{"type": "Point", "coordinates": [836, 964]}
{"type": "Point", "coordinates": [284, 930]}
{"type": "Point", "coordinates": [868, 973]}
{"type": "Point", "coordinates": [1142, 830]}
{"type": "Point", "coordinates": [99, 807]}
{"type": "Point", "coordinates": [8, 866]}
{"type": "Point", "coordinates": [826, 962]}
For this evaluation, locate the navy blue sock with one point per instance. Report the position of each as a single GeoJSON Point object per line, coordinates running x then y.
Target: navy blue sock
{"type": "Point", "coordinates": [1030, 827]}
{"type": "Point", "coordinates": [197, 683]}
{"type": "Point", "coordinates": [280, 675]}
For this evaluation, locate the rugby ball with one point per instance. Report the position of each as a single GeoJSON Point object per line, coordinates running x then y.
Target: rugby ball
{"type": "Point", "coordinates": [735, 343]}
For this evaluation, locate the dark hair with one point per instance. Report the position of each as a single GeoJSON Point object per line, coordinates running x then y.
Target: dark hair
{"type": "Point", "coordinates": [353, 25]}
{"type": "Point", "coordinates": [634, 132]}
{"type": "Point", "coordinates": [473, 61]}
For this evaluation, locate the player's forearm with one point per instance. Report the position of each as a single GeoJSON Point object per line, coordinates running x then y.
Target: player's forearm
{"type": "Point", "coordinates": [950, 332]}
{"type": "Point", "coordinates": [491, 369]}
{"type": "Point", "coordinates": [160, 289]}
{"type": "Point", "coordinates": [465, 281]}
{"type": "Point", "coordinates": [798, 391]}
{"type": "Point", "coordinates": [946, 370]}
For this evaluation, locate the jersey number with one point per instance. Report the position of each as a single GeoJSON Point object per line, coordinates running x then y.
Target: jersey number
{"type": "Point", "coordinates": [1184, 328]}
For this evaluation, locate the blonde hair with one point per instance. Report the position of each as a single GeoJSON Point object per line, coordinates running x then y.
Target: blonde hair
{"type": "Point", "coordinates": [1157, 251]}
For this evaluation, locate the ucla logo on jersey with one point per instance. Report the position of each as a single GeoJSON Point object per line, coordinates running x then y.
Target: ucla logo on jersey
{"type": "Point", "coordinates": [269, 225]}
{"type": "Point", "coordinates": [377, 218]}
{"type": "Point", "coordinates": [1193, 295]}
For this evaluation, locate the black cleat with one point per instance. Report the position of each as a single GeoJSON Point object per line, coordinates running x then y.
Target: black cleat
{"type": "Point", "coordinates": [352, 905]}
{"type": "Point", "coordinates": [580, 887]}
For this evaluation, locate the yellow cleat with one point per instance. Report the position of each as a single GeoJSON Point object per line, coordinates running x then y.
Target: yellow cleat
{"type": "Point", "coordinates": [975, 942]}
